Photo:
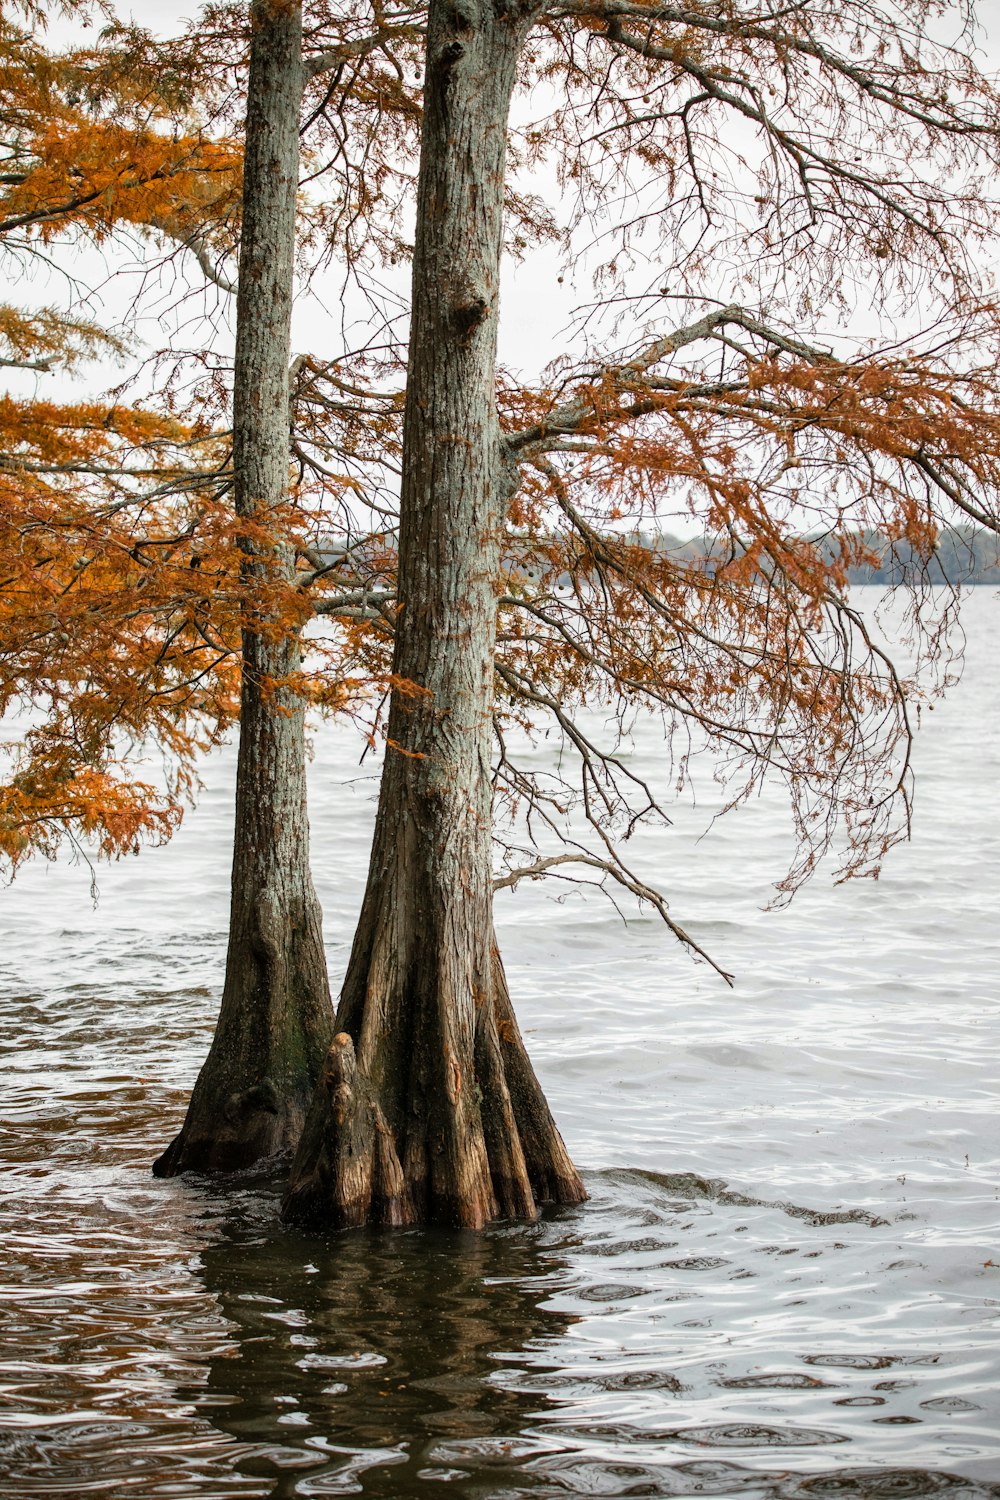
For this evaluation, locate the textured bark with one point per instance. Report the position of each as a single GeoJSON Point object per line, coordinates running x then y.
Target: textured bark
{"type": "Point", "coordinates": [274, 1027]}
{"type": "Point", "coordinates": [429, 1110]}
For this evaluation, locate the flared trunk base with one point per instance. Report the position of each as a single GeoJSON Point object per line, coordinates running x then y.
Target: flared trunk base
{"type": "Point", "coordinates": [252, 1096]}
{"type": "Point", "coordinates": [465, 1151]}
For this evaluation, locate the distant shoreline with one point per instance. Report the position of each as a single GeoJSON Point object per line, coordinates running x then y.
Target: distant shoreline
{"type": "Point", "coordinates": [964, 555]}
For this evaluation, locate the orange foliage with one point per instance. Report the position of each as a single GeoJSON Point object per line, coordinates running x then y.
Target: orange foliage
{"type": "Point", "coordinates": [123, 594]}
{"type": "Point", "coordinates": [789, 461]}
{"type": "Point", "coordinates": [117, 625]}
{"type": "Point", "coordinates": [92, 140]}
{"type": "Point", "coordinates": [117, 620]}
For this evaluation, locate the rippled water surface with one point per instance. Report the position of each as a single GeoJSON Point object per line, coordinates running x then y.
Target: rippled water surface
{"type": "Point", "coordinates": [787, 1280]}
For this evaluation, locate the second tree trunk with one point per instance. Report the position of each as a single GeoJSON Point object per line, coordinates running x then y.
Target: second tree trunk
{"type": "Point", "coordinates": [251, 1096]}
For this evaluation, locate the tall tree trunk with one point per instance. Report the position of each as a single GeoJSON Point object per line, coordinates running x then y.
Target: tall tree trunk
{"type": "Point", "coordinates": [428, 1109]}
{"type": "Point", "coordinates": [274, 1027]}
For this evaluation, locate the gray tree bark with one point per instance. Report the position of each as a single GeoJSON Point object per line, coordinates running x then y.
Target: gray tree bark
{"type": "Point", "coordinates": [275, 1023]}
{"type": "Point", "coordinates": [428, 1109]}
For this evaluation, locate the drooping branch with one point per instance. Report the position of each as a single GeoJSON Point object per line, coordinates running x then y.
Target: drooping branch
{"type": "Point", "coordinates": [44, 366]}
{"type": "Point", "coordinates": [624, 377]}
{"type": "Point", "coordinates": [209, 266]}
{"type": "Point", "coordinates": [613, 868]}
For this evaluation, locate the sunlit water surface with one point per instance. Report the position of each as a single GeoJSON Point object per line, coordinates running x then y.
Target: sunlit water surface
{"type": "Point", "coordinates": [786, 1282]}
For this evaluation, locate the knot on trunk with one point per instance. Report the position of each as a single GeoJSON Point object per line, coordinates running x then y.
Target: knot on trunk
{"type": "Point", "coordinates": [450, 55]}
{"type": "Point", "coordinates": [340, 1065]}
{"type": "Point", "coordinates": [466, 319]}
{"type": "Point", "coordinates": [268, 927]}
{"type": "Point", "coordinates": [261, 1098]}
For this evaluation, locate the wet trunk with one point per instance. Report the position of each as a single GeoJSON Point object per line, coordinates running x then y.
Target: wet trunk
{"type": "Point", "coordinates": [276, 1019]}
{"type": "Point", "coordinates": [428, 1110]}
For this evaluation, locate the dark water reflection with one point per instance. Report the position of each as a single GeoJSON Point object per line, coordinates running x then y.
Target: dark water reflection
{"type": "Point", "coordinates": [677, 1335]}
{"type": "Point", "coordinates": [369, 1360]}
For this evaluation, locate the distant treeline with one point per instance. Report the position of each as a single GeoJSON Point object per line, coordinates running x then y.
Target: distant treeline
{"type": "Point", "coordinates": [963, 555]}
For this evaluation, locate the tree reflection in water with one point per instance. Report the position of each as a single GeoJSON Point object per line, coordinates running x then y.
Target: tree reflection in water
{"type": "Point", "coordinates": [354, 1359]}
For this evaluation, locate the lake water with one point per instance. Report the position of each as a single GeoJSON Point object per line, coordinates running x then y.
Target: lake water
{"type": "Point", "coordinates": [786, 1283]}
